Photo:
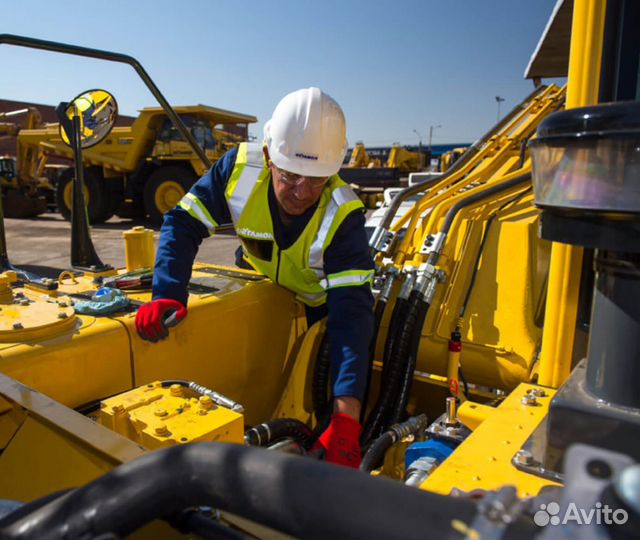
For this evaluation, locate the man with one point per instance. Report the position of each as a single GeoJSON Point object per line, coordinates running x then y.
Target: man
{"type": "Point", "coordinates": [298, 224]}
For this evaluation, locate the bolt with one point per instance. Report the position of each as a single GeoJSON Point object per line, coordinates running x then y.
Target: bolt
{"type": "Point", "coordinates": [62, 304]}
{"type": "Point", "coordinates": [24, 302]}
{"type": "Point", "coordinates": [529, 400]}
{"type": "Point", "coordinates": [163, 431]}
{"type": "Point", "coordinates": [62, 315]}
{"type": "Point", "coordinates": [206, 402]}
{"type": "Point", "coordinates": [17, 326]}
{"type": "Point", "coordinates": [176, 390]}
{"type": "Point", "coordinates": [19, 295]}
{"type": "Point", "coordinates": [524, 457]}
{"type": "Point", "coordinates": [117, 409]}
{"type": "Point", "coordinates": [537, 392]}
{"type": "Point", "coordinates": [160, 412]}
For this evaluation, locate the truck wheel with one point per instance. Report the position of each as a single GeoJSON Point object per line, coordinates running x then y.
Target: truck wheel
{"type": "Point", "coordinates": [97, 208]}
{"type": "Point", "coordinates": [164, 189]}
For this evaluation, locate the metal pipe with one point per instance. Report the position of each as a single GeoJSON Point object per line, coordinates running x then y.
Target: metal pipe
{"type": "Point", "coordinates": [561, 312]}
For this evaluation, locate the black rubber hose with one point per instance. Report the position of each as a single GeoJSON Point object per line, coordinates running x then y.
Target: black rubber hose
{"type": "Point", "coordinates": [279, 428]}
{"type": "Point", "coordinates": [406, 382]}
{"type": "Point", "coordinates": [373, 425]}
{"type": "Point", "coordinates": [376, 451]}
{"type": "Point", "coordinates": [321, 376]}
{"type": "Point", "coordinates": [400, 355]}
{"type": "Point", "coordinates": [375, 454]}
{"type": "Point", "coordinates": [378, 313]}
{"type": "Point", "coordinates": [209, 528]}
{"type": "Point", "coordinates": [297, 496]}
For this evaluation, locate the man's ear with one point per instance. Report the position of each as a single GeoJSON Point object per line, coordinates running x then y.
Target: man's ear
{"type": "Point", "coordinates": [267, 158]}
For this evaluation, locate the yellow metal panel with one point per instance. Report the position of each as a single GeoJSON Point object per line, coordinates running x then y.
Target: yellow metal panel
{"type": "Point", "coordinates": [40, 460]}
{"type": "Point", "coordinates": [88, 362]}
{"type": "Point", "coordinates": [483, 460]}
{"type": "Point", "coordinates": [239, 344]}
{"type": "Point", "coordinates": [473, 414]}
{"type": "Point", "coordinates": [296, 398]}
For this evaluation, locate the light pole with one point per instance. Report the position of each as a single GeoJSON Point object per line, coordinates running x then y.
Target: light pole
{"type": "Point", "coordinates": [431, 128]}
{"type": "Point", "coordinates": [499, 100]}
{"type": "Point", "coordinates": [419, 148]}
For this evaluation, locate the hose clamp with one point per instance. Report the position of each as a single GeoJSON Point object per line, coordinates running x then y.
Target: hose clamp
{"type": "Point", "coordinates": [433, 243]}
{"type": "Point", "coordinates": [382, 240]}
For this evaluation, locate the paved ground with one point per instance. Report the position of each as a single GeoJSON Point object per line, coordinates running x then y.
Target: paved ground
{"type": "Point", "coordinates": [42, 245]}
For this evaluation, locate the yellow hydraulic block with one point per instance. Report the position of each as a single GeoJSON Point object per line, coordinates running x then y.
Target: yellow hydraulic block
{"type": "Point", "coordinates": [157, 417]}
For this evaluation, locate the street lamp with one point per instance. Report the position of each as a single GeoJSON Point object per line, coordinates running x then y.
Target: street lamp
{"type": "Point", "coordinates": [419, 147]}
{"type": "Point", "coordinates": [431, 128]}
{"type": "Point", "coordinates": [499, 100]}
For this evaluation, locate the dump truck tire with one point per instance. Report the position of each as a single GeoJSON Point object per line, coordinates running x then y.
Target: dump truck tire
{"type": "Point", "coordinates": [98, 207]}
{"type": "Point", "coordinates": [164, 189]}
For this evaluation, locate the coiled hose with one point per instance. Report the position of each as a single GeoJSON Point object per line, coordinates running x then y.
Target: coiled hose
{"type": "Point", "coordinates": [375, 454]}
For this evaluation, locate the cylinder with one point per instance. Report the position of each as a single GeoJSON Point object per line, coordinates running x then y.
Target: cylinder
{"type": "Point", "coordinates": [613, 366]}
{"type": "Point", "coordinates": [138, 248]}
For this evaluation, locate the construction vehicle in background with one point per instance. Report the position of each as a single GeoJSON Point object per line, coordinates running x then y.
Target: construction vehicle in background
{"type": "Point", "coordinates": [22, 188]}
{"type": "Point", "coordinates": [369, 178]}
{"type": "Point", "coordinates": [138, 170]}
{"type": "Point", "coordinates": [447, 159]}
{"type": "Point", "coordinates": [488, 416]}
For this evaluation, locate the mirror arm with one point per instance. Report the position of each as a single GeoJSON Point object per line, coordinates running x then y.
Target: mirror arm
{"type": "Point", "coordinates": [53, 46]}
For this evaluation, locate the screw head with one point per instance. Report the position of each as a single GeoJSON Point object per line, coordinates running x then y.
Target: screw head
{"type": "Point", "coordinates": [529, 400]}
{"type": "Point", "coordinates": [17, 326]}
{"type": "Point", "coordinates": [62, 315]}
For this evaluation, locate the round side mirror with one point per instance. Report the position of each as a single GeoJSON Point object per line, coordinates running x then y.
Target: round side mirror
{"type": "Point", "coordinates": [97, 111]}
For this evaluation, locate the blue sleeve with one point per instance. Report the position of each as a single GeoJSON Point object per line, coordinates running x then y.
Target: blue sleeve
{"type": "Point", "coordinates": [350, 309]}
{"type": "Point", "coordinates": [181, 234]}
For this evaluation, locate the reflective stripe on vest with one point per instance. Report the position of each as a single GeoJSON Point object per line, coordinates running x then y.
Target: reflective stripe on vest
{"type": "Point", "coordinates": [197, 210]}
{"type": "Point", "coordinates": [250, 164]}
{"type": "Point", "coordinates": [340, 196]}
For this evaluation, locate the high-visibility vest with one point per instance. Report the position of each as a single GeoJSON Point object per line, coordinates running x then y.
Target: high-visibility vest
{"type": "Point", "coordinates": [299, 268]}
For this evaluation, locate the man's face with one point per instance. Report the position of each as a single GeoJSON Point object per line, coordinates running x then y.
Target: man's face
{"type": "Point", "coordinates": [296, 194]}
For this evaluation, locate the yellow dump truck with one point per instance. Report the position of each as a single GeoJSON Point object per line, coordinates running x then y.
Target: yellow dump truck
{"type": "Point", "coordinates": [142, 169]}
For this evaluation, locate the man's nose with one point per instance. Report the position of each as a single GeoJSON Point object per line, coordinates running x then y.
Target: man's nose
{"type": "Point", "coordinates": [302, 190]}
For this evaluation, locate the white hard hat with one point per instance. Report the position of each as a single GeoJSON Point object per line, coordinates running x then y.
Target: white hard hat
{"type": "Point", "coordinates": [307, 134]}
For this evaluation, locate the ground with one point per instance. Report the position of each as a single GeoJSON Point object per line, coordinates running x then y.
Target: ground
{"type": "Point", "coordinates": [42, 245]}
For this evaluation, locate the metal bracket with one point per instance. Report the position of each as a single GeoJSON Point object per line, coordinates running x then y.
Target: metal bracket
{"type": "Point", "coordinates": [382, 240]}
{"type": "Point", "coordinates": [433, 243]}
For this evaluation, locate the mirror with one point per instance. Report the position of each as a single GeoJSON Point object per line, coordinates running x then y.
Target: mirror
{"type": "Point", "coordinates": [97, 112]}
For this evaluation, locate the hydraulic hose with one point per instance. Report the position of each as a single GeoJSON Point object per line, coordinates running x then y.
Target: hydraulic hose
{"type": "Point", "coordinates": [320, 382]}
{"type": "Point", "coordinates": [405, 350]}
{"type": "Point", "coordinates": [375, 454]}
{"type": "Point", "coordinates": [406, 382]}
{"type": "Point", "coordinates": [373, 425]}
{"type": "Point", "coordinates": [296, 496]}
{"type": "Point", "coordinates": [279, 428]}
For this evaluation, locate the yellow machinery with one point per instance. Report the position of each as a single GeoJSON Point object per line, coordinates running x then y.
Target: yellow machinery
{"type": "Point", "coordinates": [144, 168]}
{"type": "Point", "coordinates": [478, 394]}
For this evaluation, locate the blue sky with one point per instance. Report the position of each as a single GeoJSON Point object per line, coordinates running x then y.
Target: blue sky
{"type": "Point", "coordinates": [395, 67]}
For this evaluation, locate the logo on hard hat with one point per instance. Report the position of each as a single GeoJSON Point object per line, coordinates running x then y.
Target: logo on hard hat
{"type": "Point", "coordinates": [306, 156]}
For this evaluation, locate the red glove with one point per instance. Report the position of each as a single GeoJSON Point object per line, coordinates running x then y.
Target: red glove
{"type": "Point", "coordinates": [341, 441]}
{"type": "Point", "coordinates": [151, 319]}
